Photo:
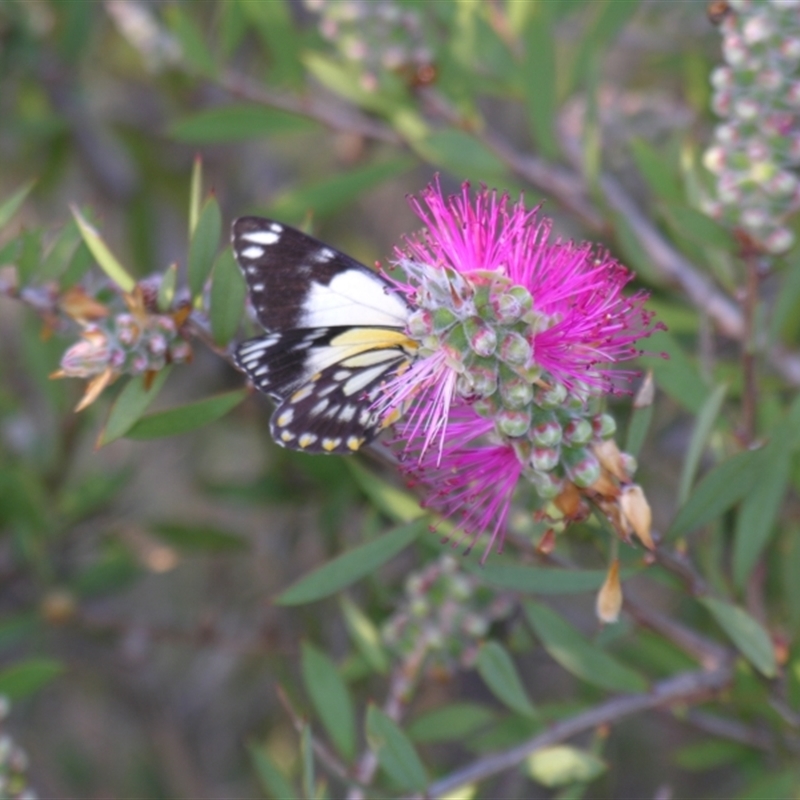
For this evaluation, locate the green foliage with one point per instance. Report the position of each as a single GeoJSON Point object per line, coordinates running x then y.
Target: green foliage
{"type": "Point", "coordinates": [497, 669]}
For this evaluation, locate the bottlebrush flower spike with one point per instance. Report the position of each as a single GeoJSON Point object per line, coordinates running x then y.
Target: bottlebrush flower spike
{"type": "Point", "coordinates": [517, 340]}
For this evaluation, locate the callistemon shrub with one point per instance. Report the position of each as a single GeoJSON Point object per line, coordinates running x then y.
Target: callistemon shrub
{"type": "Point", "coordinates": [517, 335]}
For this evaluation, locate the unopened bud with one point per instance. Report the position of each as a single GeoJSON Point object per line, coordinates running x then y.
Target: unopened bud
{"type": "Point", "coordinates": [547, 484]}
{"type": "Point", "coordinates": [546, 434]}
{"type": "Point", "coordinates": [515, 349]}
{"type": "Point", "coordinates": [547, 543]}
{"type": "Point", "coordinates": [609, 598]}
{"type": "Point", "coordinates": [544, 459]}
{"type": "Point", "coordinates": [481, 337]}
{"type": "Point", "coordinates": [516, 393]}
{"type": "Point", "coordinates": [87, 357]}
{"type": "Point", "coordinates": [552, 397]}
{"type": "Point", "coordinates": [636, 509]}
{"type": "Point", "coordinates": [586, 471]}
{"type": "Point", "coordinates": [513, 423]}
{"type": "Point", "coordinates": [578, 431]}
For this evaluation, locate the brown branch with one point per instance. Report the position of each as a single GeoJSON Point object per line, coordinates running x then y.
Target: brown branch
{"type": "Point", "coordinates": [684, 688]}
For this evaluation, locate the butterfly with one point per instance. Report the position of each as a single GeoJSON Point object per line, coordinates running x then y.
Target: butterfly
{"type": "Point", "coordinates": [334, 333]}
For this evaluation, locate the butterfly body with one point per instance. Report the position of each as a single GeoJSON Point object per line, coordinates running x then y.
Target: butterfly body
{"type": "Point", "coordinates": [334, 333]}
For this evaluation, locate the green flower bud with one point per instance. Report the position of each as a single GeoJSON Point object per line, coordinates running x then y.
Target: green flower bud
{"type": "Point", "coordinates": [515, 349]}
{"type": "Point", "coordinates": [513, 423]}
{"type": "Point", "coordinates": [481, 337]}
{"type": "Point", "coordinates": [578, 431]}
{"type": "Point", "coordinates": [544, 459]}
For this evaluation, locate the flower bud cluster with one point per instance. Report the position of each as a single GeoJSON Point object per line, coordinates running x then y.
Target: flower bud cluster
{"type": "Point", "coordinates": [485, 326]}
{"type": "Point", "coordinates": [13, 765]}
{"type": "Point", "coordinates": [379, 37]}
{"type": "Point", "coordinates": [757, 93]}
{"type": "Point", "coordinates": [126, 343]}
{"type": "Point", "coordinates": [446, 611]}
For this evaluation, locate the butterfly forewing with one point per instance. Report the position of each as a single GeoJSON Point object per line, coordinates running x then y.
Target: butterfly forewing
{"type": "Point", "coordinates": [334, 334]}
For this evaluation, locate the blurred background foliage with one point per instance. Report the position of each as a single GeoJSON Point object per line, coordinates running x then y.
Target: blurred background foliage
{"type": "Point", "coordinates": [141, 643]}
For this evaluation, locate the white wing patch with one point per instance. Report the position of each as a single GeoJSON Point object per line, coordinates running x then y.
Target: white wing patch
{"type": "Point", "coordinates": [353, 298]}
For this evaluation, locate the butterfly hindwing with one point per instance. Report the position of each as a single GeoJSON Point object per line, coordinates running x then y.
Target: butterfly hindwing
{"type": "Point", "coordinates": [334, 334]}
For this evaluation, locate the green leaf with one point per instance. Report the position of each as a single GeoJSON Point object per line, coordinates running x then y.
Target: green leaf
{"type": "Point", "coordinates": [204, 245]}
{"type": "Point", "coordinates": [28, 677]}
{"type": "Point", "coordinates": [365, 635]}
{"type": "Point", "coordinates": [709, 755]}
{"type": "Point", "coordinates": [174, 421]}
{"type": "Point", "coordinates": [199, 537]}
{"type": "Point", "coordinates": [273, 22]}
{"type": "Point", "coordinates": [331, 699]}
{"type": "Point", "coordinates": [228, 293]}
{"type": "Point", "coordinates": [346, 81]}
{"type": "Point", "coordinates": [330, 195]}
{"type": "Point", "coordinates": [30, 255]}
{"type": "Point", "coordinates": [746, 633]}
{"type": "Point", "coordinates": [12, 204]}
{"type": "Point", "coordinates": [539, 65]}
{"type": "Point", "coordinates": [463, 155]}
{"type": "Point", "coordinates": [104, 257]}
{"type": "Point", "coordinates": [609, 17]}
{"type": "Point", "coordinates": [718, 491]}
{"type": "Point", "coordinates": [563, 764]}
{"type": "Point", "coordinates": [61, 252]}
{"type": "Point", "coordinates": [660, 173]}
{"type": "Point", "coordinates": [307, 757]}
{"type": "Point", "coordinates": [395, 753]}
{"type": "Point", "coordinates": [237, 123]}
{"type": "Point", "coordinates": [755, 521]}
{"type": "Point", "coordinates": [537, 580]}
{"type": "Point", "coordinates": [638, 429]}
{"type": "Point", "coordinates": [78, 266]}
{"type": "Point", "coordinates": [195, 195]}
{"type": "Point", "coordinates": [194, 49]}
{"type": "Point", "coordinates": [578, 656]}
{"type": "Point", "coordinates": [634, 254]}
{"type": "Point", "coordinates": [675, 373]}
{"type": "Point", "coordinates": [166, 289]}
{"type": "Point", "coordinates": [397, 504]}
{"type": "Point", "coordinates": [129, 406]}
{"type": "Point", "coordinates": [702, 430]}
{"type": "Point", "coordinates": [697, 227]}
{"type": "Point", "coordinates": [451, 723]}
{"type": "Point", "coordinates": [351, 566]}
{"type": "Point", "coordinates": [772, 785]}
{"type": "Point", "coordinates": [497, 669]}
{"type": "Point", "coordinates": [271, 779]}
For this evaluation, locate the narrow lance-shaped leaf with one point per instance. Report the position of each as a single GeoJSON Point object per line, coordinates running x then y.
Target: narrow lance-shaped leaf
{"type": "Point", "coordinates": [272, 780]}
{"type": "Point", "coordinates": [365, 634]}
{"type": "Point", "coordinates": [577, 655]}
{"type": "Point", "coordinates": [504, 574]}
{"type": "Point", "coordinates": [702, 430]}
{"type": "Point", "coordinates": [718, 491]}
{"type": "Point", "coordinates": [307, 754]}
{"type": "Point", "coordinates": [331, 699]}
{"type": "Point", "coordinates": [759, 510]}
{"type": "Point", "coordinates": [129, 406]}
{"type": "Point", "coordinates": [228, 292]}
{"type": "Point", "coordinates": [28, 676]}
{"type": "Point", "coordinates": [351, 566]}
{"type": "Point", "coordinates": [11, 205]}
{"type": "Point", "coordinates": [752, 641]}
{"type": "Point", "coordinates": [104, 257]}
{"type": "Point", "coordinates": [540, 65]}
{"type": "Point", "coordinates": [235, 123]}
{"type": "Point", "coordinates": [195, 194]}
{"type": "Point", "coordinates": [394, 750]}
{"type": "Point", "coordinates": [499, 673]}
{"type": "Point", "coordinates": [451, 723]}
{"type": "Point", "coordinates": [204, 245]}
{"type": "Point", "coordinates": [174, 421]}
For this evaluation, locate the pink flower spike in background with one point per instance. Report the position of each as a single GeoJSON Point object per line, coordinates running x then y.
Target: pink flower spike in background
{"type": "Point", "coordinates": [517, 340]}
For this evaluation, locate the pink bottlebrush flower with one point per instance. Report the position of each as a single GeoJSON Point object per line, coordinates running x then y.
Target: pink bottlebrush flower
{"type": "Point", "coordinates": [472, 480]}
{"type": "Point", "coordinates": [517, 336]}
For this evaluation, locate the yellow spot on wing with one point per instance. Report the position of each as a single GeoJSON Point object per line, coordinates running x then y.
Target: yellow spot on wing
{"type": "Point", "coordinates": [306, 439]}
{"type": "Point", "coordinates": [301, 394]}
{"type": "Point", "coordinates": [331, 444]}
{"type": "Point", "coordinates": [354, 442]}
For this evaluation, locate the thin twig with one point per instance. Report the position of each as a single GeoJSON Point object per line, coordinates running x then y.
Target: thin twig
{"type": "Point", "coordinates": [402, 683]}
{"type": "Point", "coordinates": [683, 688]}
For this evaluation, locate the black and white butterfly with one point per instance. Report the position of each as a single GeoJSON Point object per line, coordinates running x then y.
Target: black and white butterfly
{"type": "Point", "coordinates": [335, 332]}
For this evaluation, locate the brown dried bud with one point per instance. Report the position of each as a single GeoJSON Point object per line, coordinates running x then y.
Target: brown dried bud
{"type": "Point", "coordinates": [547, 543]}
{"type": "Point", "coordinates": [636, 510]}
{"type": "Point", "coordinates": [609, 598]}
{"type": "Point", "coordinates": [610, 458]}
{"type": "Point", "coordinates": [78, 305]}
{"type": "Point", "coordinates": [58, 607]}
{"type": "Point", "coordinates": [569, 501]}
{"type": "Point", "coordinates": [646, 393]}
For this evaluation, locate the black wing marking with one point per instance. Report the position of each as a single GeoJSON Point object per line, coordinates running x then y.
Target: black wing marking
{"type": "Point", "coordinates": [334, 335]}
{"type": "Point", "coordinates": [296, 281]}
